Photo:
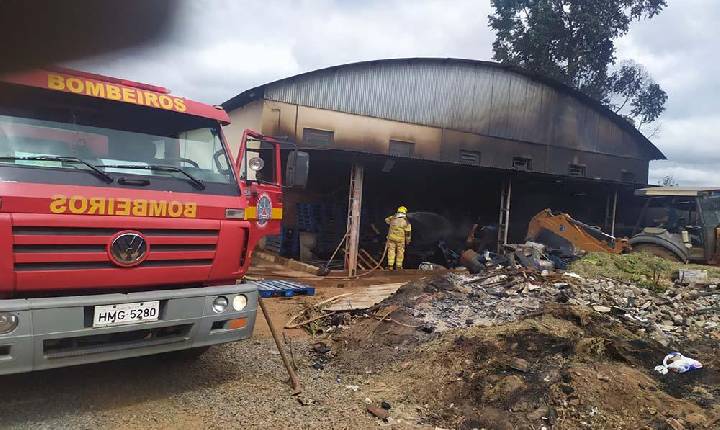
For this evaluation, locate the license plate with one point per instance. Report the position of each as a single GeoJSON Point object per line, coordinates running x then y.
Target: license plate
{"type": "Point", "coordinates": [126, 313]}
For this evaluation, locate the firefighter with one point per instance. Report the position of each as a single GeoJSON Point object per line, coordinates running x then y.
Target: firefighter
{"type": "Point", "coordinates": [399, 235]}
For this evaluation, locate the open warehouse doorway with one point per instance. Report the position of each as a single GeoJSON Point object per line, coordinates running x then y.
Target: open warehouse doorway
{"type": "Point", "coordinates": [444, 201]}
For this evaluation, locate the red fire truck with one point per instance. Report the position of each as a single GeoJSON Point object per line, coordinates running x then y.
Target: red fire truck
{"type": "Point", "coordinates": [125, 222]}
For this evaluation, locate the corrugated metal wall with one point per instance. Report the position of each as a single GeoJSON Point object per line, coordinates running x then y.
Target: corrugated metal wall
{"type": "Point", "coordinates": [468, 97]}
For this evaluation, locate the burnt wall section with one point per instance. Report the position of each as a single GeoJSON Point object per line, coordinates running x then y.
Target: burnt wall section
{"type": "Point", "coordinates": [370, 135]}
{"type": "Point", "coordinates": [475, 97]}
{"type": "Point", "coordinates": [456, 111]}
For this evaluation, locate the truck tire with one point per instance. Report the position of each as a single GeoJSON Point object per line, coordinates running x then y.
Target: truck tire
{"type": "Point", "coordinates": [657, 251]}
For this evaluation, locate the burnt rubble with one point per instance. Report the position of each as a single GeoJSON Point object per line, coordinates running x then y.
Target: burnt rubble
{"type": "Point", "coordinates": [507, 294]}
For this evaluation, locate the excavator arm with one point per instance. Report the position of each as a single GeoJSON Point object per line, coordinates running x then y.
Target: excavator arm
{"type": "Point", "coordinates": [561, 231]}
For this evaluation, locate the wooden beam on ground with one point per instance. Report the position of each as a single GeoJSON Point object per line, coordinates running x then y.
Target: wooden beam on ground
{"type": "Point", "coordinates": [369, 257]}
{"type": "Point", "coordinates": [368, 297]}
{"type": "Point", "coordinates": [363, 262]}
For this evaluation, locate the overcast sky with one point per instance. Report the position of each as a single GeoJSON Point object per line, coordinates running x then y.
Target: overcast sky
{"type": "Point", "coordinates": [220, 48]}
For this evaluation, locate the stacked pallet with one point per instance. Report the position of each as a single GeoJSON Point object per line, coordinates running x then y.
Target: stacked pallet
{"type": "Point", "coordinates": [327, 221]}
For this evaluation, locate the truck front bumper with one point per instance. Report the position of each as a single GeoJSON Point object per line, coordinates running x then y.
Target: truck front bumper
{"type": "Point", "coordinates": [58, 331]}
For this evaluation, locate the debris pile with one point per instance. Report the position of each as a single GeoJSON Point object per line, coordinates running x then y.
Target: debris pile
{"type": "Point", "coordinates": [497, 296]}
{"type": "Point", "coordinates": [512, 347]}
{"type": "Point", "coordinates": [642, 269]}
{"type": "Point", "coordinates": [315, 319]}
{"type": "Point", "coordinates": [568, 367]}
{"type": "Point", "coordinates": [678, 312]}
{"type": "Point", "coordinates": [503, 295]}
{"type": "Point", "coordinates": [653, 306]}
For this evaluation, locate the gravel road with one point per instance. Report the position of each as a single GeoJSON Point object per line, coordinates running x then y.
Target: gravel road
{"type": "Point", "coordinates": [241, 385]}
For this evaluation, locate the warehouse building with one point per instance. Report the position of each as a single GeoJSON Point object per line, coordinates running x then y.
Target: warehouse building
{"type": "Point", "coordinates": [472, 141]}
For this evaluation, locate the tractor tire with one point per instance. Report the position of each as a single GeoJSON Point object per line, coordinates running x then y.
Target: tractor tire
{"type": "Point", "coordinates": [657, 251]}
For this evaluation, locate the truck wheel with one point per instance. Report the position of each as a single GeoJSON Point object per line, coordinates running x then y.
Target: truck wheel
{"type": "Point", "coordinates": [657, 251]}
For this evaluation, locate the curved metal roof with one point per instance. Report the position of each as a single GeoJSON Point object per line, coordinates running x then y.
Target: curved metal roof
{"type": "Point", "coordinates": [481, 97]}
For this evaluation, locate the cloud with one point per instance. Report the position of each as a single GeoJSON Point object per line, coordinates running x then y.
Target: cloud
{"type": "Point", "coordinates": [688, 175]}
{"type": "Point", "coordinates": [678, 49]}
{"type": "Point", "coordinates": [220, 48]}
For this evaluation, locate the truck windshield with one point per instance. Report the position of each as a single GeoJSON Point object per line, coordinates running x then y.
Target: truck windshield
{"type": "Point", "coordinates": [176, 160]}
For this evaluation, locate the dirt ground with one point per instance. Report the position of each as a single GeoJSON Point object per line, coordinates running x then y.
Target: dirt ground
{"type": "Point", "coordinates": [282, 309]}
{"type": "Point", "coordinates": [240, 385]}
{"type": "Point", "coordinates": [566, 368]}
{"type": "Point", "coordinates": [559, 367]}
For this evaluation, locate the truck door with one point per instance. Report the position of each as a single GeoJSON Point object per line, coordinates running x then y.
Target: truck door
{"type": "Point", "coordinates": [259, 169]}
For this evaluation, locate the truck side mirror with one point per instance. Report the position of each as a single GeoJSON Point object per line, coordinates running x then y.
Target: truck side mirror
{"type": "Point", "coordinates": [297, 169]}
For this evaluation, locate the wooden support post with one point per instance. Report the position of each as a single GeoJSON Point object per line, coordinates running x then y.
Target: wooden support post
{"type": "Point", "coordinates": [507, 210]}
{"type": "Point", "coordinates": [500, 219]}
{"type": "Point", "coordinates": [504, 221]}
{"type": "Point", "coordinates": [606, 223]}
{"type": "Point", "coordinates": [614, 210]}
{"type": "Point", "coordinates": [353, 226]}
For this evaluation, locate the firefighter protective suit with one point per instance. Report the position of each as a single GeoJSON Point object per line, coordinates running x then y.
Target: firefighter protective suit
{"type": "Point", "coordinates": [399, 235]}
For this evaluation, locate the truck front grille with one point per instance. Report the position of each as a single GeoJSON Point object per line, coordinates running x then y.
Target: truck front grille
{"type": "Point", "coordinates": [70, 248]}
{"type": "Point", "coordinates": [83, 231]}
{"type": "Point", "coordinates": [103, 343]}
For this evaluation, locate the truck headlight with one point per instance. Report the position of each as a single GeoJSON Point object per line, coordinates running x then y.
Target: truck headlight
{"type": "Point", "coordinates": [220, 304]}
{"type": "Point", "coordinates": [239, 302]}
{"type": "Point", "coordinates": [8, 322]}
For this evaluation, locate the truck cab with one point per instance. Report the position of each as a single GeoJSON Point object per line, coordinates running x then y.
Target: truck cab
{"type": "Point", "coordinates": [125, 223]}
{"type": "Point", "coordinates": [679, 223]}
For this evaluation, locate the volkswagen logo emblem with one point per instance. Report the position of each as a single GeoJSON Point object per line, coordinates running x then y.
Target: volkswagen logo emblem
{"type": "Point", "coordinates": [128, 248]}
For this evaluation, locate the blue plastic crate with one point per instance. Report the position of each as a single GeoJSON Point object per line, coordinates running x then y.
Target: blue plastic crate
{"type": "Point", "coordinates": [278, 288]}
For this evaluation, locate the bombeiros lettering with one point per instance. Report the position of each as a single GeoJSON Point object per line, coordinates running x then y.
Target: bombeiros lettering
{"type": "Point", "coordinates": [81, 205]}
{"type": "Point", "coordinates": [116, 92]}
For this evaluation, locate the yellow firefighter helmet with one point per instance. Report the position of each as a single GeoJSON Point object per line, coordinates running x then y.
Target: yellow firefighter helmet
{"type": "Point", "coordinates": [402, 210]}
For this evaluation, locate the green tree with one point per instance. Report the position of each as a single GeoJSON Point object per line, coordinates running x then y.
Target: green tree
{"type": "Point", "coordinates": [573, 41]}
{"type": "Point", "coordinates": [634, 95]}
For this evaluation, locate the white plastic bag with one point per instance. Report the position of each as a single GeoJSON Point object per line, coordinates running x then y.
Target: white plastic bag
{"type": "Point", "coordinates": [677, 363]}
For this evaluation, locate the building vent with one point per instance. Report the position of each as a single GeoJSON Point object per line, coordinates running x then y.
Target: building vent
{"type": "Point", "coordinates": [577, 170]}
{"type": "Point", "coordinates": [312, 136]}
{"type": "Point", "coordinates": [398, 148]}
{"type": "Point", "coordinates": [470, 157]}
{"type": "Point", "coordinates": [626, 176]}
{"type": "Point", "coordinates": [522, 163]}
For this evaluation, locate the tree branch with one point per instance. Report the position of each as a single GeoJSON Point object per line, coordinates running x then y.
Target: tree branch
{"type": "Point", "coordinates": [627, 99]}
